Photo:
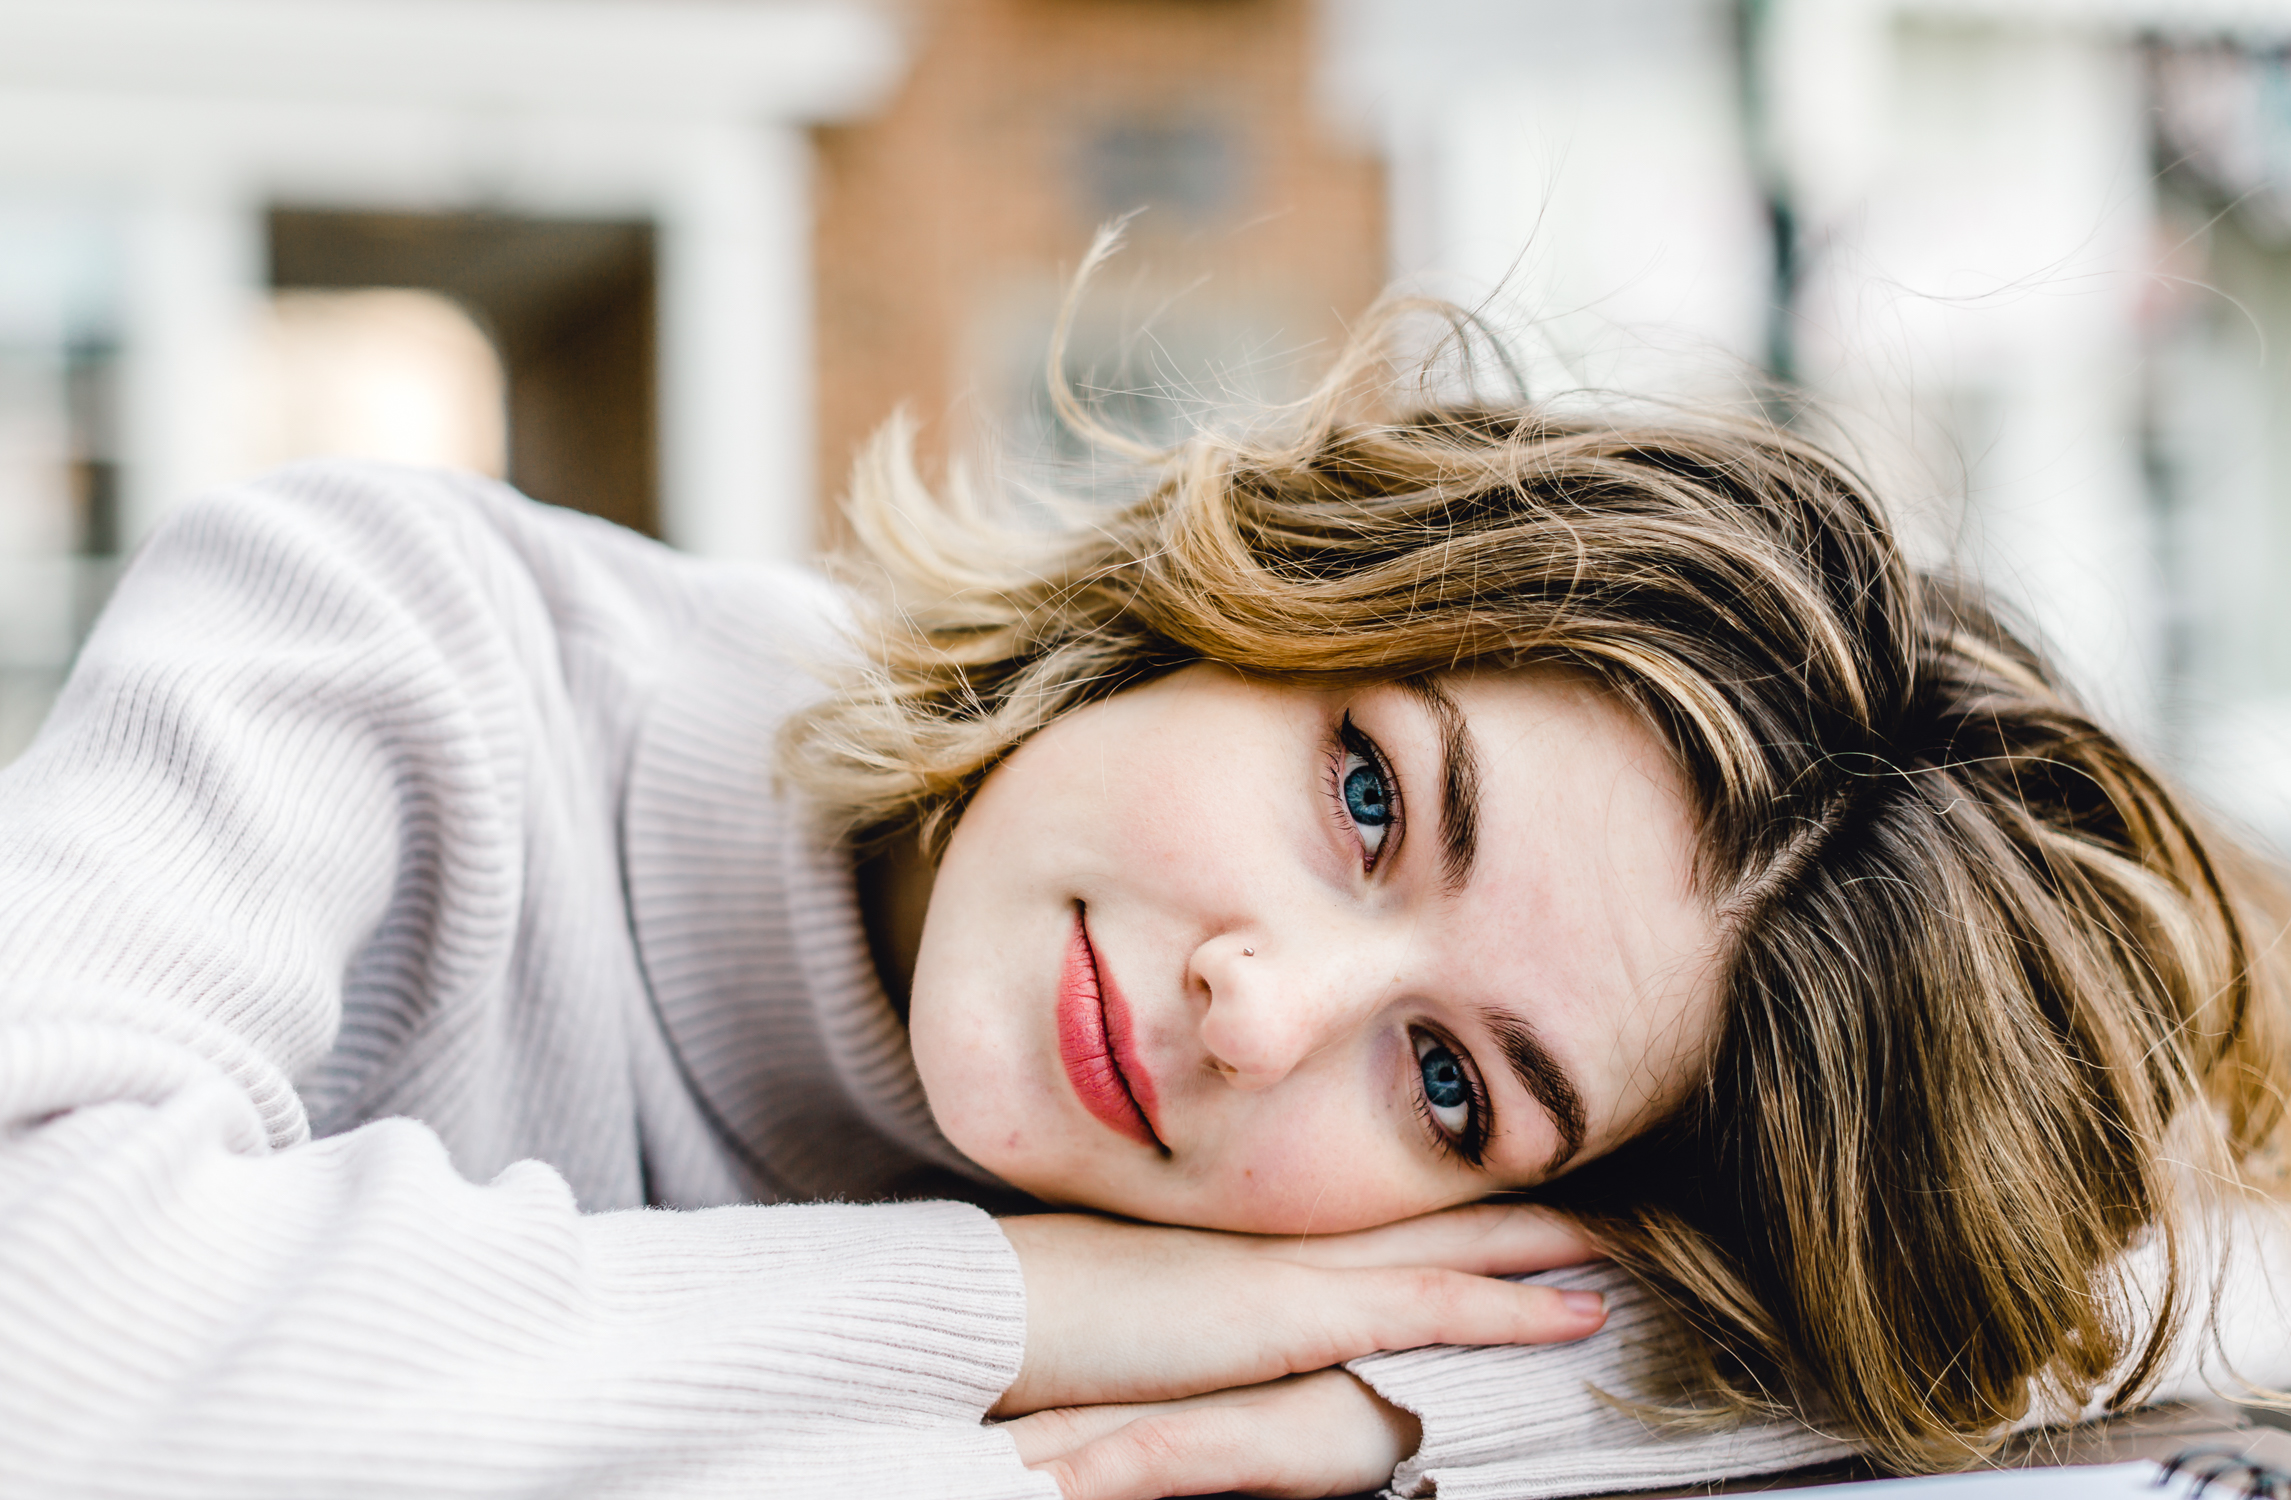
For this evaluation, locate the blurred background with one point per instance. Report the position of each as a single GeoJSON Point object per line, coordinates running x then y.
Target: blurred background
{"type": "Point", "coordinates": [670, 261]}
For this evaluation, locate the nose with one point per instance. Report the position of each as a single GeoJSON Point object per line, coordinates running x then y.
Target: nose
{"type": "Point", "coordinates": [1272, 1002]}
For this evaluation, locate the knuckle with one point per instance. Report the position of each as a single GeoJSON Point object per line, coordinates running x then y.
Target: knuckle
{"type": "Point", "coordinates": [1440, 1306]}
{"type": "Point", "coordinates": [1111, 1466]}
{"type": "Point", "coordinates": [1211, 1441]}
{"type": "Point", "coordinates": [1060, 1423]}
{"type": "Point", "coordinates": [1432, 1290]}
{"type": "Point", "coordinates": [1162, 1442]}
{"type": "Point", "coordinates": [1062, 1473]}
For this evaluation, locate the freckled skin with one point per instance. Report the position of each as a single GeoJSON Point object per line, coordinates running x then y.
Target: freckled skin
{"type": "Point", "coordinates": [1200, 815]}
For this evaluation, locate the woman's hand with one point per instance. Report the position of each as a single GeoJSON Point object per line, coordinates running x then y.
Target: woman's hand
{"type": "Point", "coordinates": [1120, 1313]}
{"type": "Point", "coordinates": [1306, 1435]}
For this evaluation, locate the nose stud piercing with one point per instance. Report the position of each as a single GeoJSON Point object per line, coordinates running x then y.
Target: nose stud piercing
{"type": "Point", "coordinates": [1248, 953]}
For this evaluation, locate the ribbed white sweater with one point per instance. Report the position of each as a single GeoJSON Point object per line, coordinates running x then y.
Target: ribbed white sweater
{"type": "Point", "coordinates": [413, 989]}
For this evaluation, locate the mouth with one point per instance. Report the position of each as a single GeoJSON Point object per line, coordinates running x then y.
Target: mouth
{"type": "Point", "coordinates": [1097, 1046]}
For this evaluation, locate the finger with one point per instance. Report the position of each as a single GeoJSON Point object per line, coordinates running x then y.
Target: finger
{"type": "Point", "coordinates": [1335, 1316]}
{"type": "Point", "coordinates": [1045, 1435]}
{"type": "Point", "coordinates": [1175, 1453]}
{"type": "Point", "coordinates": [1486, 1239]}
{"type": "Point", "coordinates": [1413, 1307]}
{"type": "Point", "coordinates": [1305, 1319]}
{"type": "Point", "coordinates": [1120, 1313]}
{"type": "Point", "coordinates": [1291, 1438]}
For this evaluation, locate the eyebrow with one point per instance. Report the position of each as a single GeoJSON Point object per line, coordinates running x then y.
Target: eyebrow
{"type": "Point", "coordinates": [1545, 1081]}
{"type": "Point", "coordinates": [1459, 782]}
{"type": "Point", "coordinates": [1531, 1062]}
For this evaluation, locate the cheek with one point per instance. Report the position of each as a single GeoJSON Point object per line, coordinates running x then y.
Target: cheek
{"type": "Point", "coordinates": [1162, 824]}
{"type": "Point", "coordinates": [965, 1075]}
{"type": "Point", "coordinates": [1315, 1176]}
{"type": "Point", "coordinates": [1008, 1119]}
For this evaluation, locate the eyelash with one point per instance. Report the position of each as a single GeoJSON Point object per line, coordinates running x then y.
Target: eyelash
{"type": "Point", "coordinates": [1471, 1146]}
{"type": "Point", "coordinates": [1350, 741]}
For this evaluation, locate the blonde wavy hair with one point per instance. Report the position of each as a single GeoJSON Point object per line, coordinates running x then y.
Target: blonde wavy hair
{"type": "Point", "coordinates": [1994, 996]}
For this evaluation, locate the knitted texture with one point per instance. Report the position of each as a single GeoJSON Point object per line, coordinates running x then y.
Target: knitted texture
{"type": "Point", "coordinates": [325, 838]}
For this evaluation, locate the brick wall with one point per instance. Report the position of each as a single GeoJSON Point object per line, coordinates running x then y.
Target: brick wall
{"type": "Point", "coordinates": [950, 222]}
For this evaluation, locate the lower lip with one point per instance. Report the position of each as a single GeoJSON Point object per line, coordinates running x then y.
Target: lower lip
{"type": "Point", "coordinates": [1093, 1032]}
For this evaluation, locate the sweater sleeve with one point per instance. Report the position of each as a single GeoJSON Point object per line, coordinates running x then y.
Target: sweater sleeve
{"type": "Point", "coordinates": [291, 746]}
{"type": "Point", "coordinates": [1527, 1421]}
{"type": "Point", "coordinates": [1550, 1420]}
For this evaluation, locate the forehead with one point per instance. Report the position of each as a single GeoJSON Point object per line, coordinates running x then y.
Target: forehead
{"type": "Point", "coordinates": [1582, 914]}
{"type": "Point", "coordinates": [1560, 755]}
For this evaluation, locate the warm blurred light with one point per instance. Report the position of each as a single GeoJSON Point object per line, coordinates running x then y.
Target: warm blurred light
{"type": "Point", "coordinates": [379, 373]}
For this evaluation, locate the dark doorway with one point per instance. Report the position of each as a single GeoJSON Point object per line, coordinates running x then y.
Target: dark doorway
{"type": "Point", "coordinates": [569, 304]}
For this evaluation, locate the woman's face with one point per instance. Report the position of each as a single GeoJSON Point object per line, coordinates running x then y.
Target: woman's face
{"type": "Point", "coordinates": [1230, 954]}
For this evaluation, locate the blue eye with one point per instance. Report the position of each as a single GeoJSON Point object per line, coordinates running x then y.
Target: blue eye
{"type": "Point", "coordinates": [1363, 791]}
{"type": "Point", "coordinates": [1443, 1078]}
{"type": "Point", "coordinates": [1448, 1092]}
{"type": "Point", "coordinates": [1364, 794]}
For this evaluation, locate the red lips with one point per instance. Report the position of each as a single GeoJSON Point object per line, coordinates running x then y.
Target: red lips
{"type": "Point", "coordinates": [1096, 1045]}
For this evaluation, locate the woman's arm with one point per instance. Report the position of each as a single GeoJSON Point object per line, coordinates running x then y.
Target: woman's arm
{"type": "Point", "coordinates": [1521, 1422]}
{"type": "Point", "coordinates": [1124, 1312]}
{"type": "Point", "coordinates": [307, 768]}
{"type": "Point", "coordinates": [1514, 1421]}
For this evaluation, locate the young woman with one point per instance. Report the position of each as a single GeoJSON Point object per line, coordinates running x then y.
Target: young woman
{"type": "Point", "coordinates": [444, 1049]}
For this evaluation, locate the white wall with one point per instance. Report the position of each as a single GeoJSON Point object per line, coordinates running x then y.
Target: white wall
{"type": "Point", "coordinates": [1972, 185]}
{"type": "Point", "coordinates": [1976, 202]}
{"type": "Point", "coordinates": [1583, 163]}
{"type": "Point", "coordinates": [187, 118]}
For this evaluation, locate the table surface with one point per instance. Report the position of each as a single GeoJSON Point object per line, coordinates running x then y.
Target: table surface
{"type": "Point", "coordinates": [2157, 1432]}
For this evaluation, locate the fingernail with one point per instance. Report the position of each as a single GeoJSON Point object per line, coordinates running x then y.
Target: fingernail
{"type": "Point", "coordinates": [1584, 1304]}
